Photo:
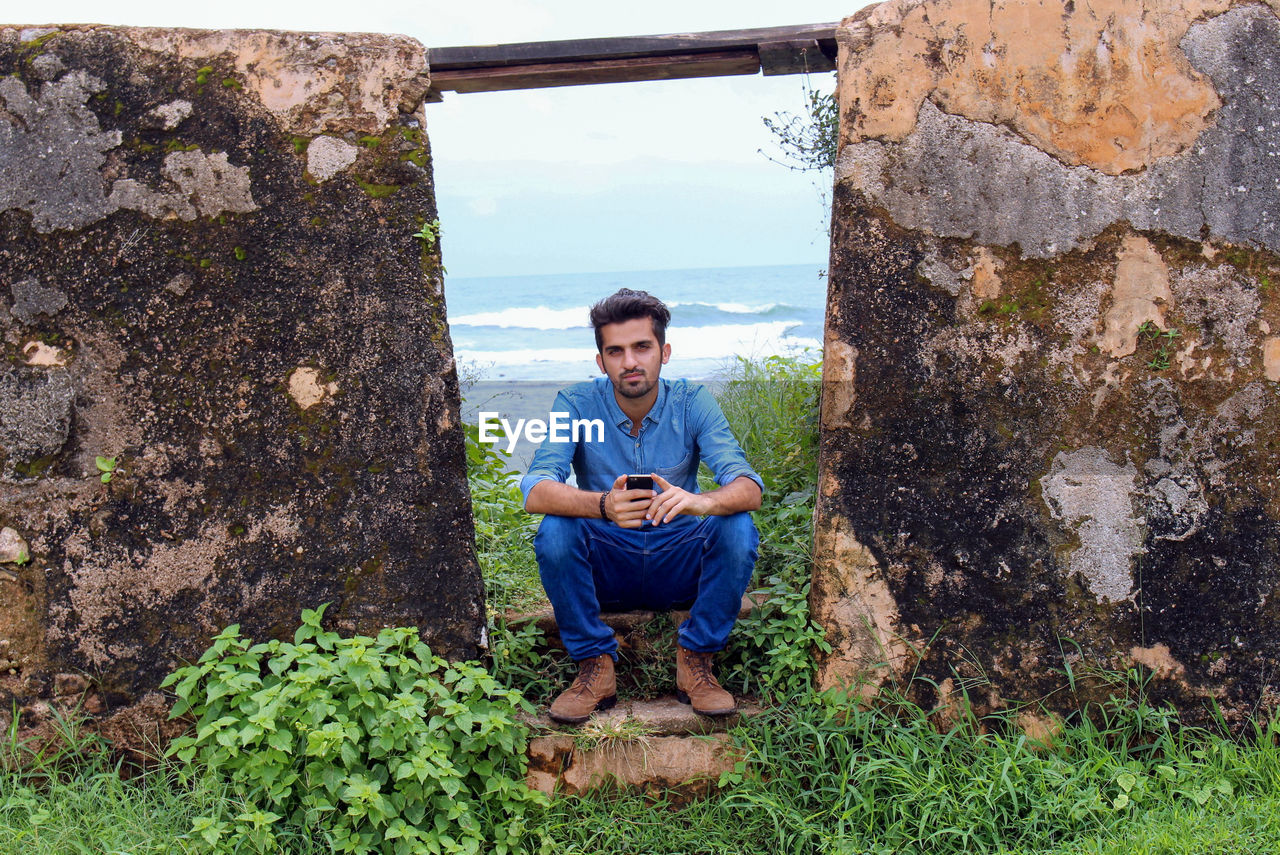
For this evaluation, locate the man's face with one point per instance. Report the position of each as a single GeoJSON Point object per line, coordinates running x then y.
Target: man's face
{"type": "Point", "coordinates": [630, 355]}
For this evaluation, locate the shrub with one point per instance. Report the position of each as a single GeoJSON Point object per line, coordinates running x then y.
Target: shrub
{"type": "Point", "coordinates": [504, 530]}
{"type": "Point", "coordinates": [375, 741]}
{"type": "Point", "coordinates": [772, 407]}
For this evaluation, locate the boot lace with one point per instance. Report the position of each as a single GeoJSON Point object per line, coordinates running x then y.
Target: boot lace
{"type": "Point", "coordinates": [587, 672]}
{"type": "Point", "coordinates": [700, 670]}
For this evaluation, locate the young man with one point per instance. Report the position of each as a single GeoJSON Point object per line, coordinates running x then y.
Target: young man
{"type": "Point", "coordinates": [604, 547]}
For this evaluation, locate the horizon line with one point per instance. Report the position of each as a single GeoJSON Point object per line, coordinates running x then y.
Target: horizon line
{"type": "Point", "coordinates": [818, 265]}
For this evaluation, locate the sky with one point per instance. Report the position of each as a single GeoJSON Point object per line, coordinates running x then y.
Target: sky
{"type": "Point", "coordinates": [627, 176]}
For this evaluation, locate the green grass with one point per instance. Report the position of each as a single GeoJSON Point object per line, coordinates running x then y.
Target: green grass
{"type": "Point", "coordinates": [504, 531]}
{"type": "Point", "coordinates": [90, 808]}
{"type": "Point", "coordinates": [1245, 827]}
{"type": "Point", "coordinates": [819, 776]}
{"type": "Point", "coordinates": [73, 794]}
{"type": "Point", "coordinates": [772, 407]}
{"type": "Point", "coordinates": [826, 778]}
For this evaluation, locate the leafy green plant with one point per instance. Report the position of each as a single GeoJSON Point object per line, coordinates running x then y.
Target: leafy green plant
{"type": "Point", "coordinates": [518, 662]}
{"type": "Point", "coordinates": [375, 741]}
{"type": "Point", "coordinates": [108, 466]}
{"type": "Point", "coordinates": [1159, 342]}
{"type": "Point", "coordinates": [776, 642]}
{"type": "Point", "coordinates": [808, 141]}
{"type": "Point", "coordinates": [772, 407]}
{"type": "Point", "coordinates": [504, 530]}
{"type": "Point", "coordinates": [429, 233]}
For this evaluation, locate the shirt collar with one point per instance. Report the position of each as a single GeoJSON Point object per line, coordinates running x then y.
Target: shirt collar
{"type": "Point", "coordinates": [620, 418]}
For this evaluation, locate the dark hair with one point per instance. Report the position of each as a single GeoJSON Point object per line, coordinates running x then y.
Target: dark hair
{"type": "Point", "coordinates": [627, 305]}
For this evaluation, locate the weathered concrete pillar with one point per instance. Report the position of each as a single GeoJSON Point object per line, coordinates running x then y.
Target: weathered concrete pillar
{"type": "Point", "coordinates": [1053, 349]}
{"type": "Point", "coordinates": [218, 271]}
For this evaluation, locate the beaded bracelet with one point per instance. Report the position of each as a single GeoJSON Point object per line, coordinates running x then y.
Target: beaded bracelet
{"type": "Point", "coordinates": [603, 496]}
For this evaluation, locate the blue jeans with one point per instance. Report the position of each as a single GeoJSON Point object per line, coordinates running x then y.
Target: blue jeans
{"type": "Point", "coordinates": [590, 565]}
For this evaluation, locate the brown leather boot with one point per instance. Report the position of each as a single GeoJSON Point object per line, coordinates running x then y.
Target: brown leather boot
{"type": "Point", "coordinates": [696, 684]}
{"type": "Point", "coordinates": [594, 689]}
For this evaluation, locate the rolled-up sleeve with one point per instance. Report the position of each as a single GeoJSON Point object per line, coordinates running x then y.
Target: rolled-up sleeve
{"type": "Point", "coordinates": [716, 443]}
{"type": "Point", "coordinates": [552, 460]}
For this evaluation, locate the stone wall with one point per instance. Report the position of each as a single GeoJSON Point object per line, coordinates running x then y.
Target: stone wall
{"type": "Point", "coordinates": [1052, 379]}
{"type": "Point", "coordinates": [209, 277]}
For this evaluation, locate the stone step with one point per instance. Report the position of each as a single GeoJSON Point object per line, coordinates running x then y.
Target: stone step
{"type": "Point", "coordinates": [646, 744]}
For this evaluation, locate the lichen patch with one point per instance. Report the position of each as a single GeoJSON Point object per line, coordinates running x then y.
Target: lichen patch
{"type": "Point", "coordinates": [31, 299]}
{"type": "Point", "coordinates": [51, 151]}
{"type": "Point", "coordinates": [205, 185]}
{"type": "Point", "coordinates": [1158, 659]}
{"type": "Point", "coordinates": [1138, 296]}
{"type": "Point", "coordinates": [1222, 305]}
{"type": "Point", "coordinates": [169, 116]}
{"type": "Point", "coordinates": [306, 388]}
{"type": "Point", "coordinates": [1271, 358]}
{"type": "Point", "coordinates": [1092, 495]}
{"type": "Point", "coordinates": [327, 156]}
{"type": "Point", "coordinates": [36, 408]}
{"type": "Point", "coordinates": [39, 353]}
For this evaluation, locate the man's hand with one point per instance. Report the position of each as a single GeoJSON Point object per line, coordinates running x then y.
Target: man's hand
{"type": "Point", "coordinates": [625, 507]}
{"type": "Point", "coordinates": [673, 501]}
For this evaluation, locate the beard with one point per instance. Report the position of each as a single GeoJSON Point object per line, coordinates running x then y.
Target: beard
{"type": "Point", "coordinates": [633, 389]}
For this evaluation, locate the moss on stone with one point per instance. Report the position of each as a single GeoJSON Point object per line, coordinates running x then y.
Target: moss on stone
{"type": "Point", "coordinates": [376, 191]}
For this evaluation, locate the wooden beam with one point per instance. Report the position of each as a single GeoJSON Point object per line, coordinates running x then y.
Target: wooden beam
{"type": "Point", "coordinates": [622, 70]}
{"type": "Point", "coordinates": [794, 57]}
{"type": "Point", "coordinates": [574, 50]}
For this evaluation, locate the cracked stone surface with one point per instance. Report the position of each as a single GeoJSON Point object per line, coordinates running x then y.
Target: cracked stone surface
{"type": "Point", "coordinates": [1050, 397]}
{"type": "Point", "coordinates": [206, 186]}
{"type": "Point", "coordinates": [166, 265]}
{"type": "Point", "coordinates": [52, 150]}
{"type": "Point", "coordinates": [35, 413]}
{"type": "Point", "coordinates": [999, 190]}
{"type": "Point", "coordinates": [30, 299]}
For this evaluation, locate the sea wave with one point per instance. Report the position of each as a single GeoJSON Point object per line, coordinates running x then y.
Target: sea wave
{"type": "Point", "coordinates": [710, 342]}
{"type": "Point", "coordinates": [526, 317]}
{"type": "Point", "coordinates": [730, 308]}
{"type": "Point", "coordinates": [694, 312]}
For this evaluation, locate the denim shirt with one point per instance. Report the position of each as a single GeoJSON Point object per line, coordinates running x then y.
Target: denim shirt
{"type": "Point", "coordinates": [684, 426]}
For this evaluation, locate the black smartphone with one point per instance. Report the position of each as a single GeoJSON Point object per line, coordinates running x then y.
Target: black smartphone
{"type": "Point", "coordinates": [639, 482]}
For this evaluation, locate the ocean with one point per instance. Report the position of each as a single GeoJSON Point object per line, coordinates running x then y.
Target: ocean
{"type": "Point", "coordinates": [519, 339]}
{"type": "Point", "coordinates": [534, 328]}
